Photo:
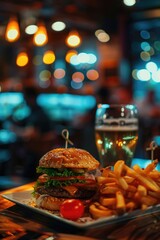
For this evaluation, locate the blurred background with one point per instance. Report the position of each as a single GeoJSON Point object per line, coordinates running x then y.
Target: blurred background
{"type": "Point", "coordinates": [58, 59]}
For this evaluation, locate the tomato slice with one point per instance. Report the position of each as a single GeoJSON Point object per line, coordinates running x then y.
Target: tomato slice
{"type": "Point", "coordinates": [68, 178]}
{"type": "Point", "coordinates": [43, 178]}
{"type": "Point", "coordinates": [88, 180]}
{"type": "Point", "coordinates": [72, 209]}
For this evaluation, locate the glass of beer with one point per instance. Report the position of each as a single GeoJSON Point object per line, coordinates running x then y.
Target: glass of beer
{"type": "Point", "coordinates": [116, 133]}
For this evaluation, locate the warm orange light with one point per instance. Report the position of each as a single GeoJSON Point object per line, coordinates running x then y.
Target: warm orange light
{"type": "Point", "coordinates": [40, 37]}
{"type": "Point", "coordinates": [77, 77]}
{"type": "Point", "coordinates": [22, 59]}
{"type": "Point", "coordinates": [92, 74]}
{"type": "Point", "coordinates": [12, 33]}
{"type": "Point", "coordinates": [69, 54]}
{"type": "Point", "coordinates": [49, 57]}
{"type": "Point", "coordinates": [59, 73]}
{"type": "Point", "coordinates": [73, 39]}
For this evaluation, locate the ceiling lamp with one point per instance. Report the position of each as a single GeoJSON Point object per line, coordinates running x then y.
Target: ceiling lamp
{"type": "Point", "coordinates": [129, 2]}
{"type": "Point", "coordinates": [73, 39]}
{"type": "Point", "coordinates": [40, 37]}
{"type": "Point", "coordinates": [31, 29]}
{"type": "Point", "coordinates": [58, 26]}
{"type": "Point", "coordinates": [22, 59]}
{"type": "Point", "coordinates": [12, 33]}
{"type": "Point", "coordinates": [49, 57]}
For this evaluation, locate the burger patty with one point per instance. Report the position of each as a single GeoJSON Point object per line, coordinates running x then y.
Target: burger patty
{"type": "Point", "coordinates": [59, 192]}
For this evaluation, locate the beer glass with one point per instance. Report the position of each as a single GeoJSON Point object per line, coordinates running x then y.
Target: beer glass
{"type": "Point", "coordinates": [116, 133]}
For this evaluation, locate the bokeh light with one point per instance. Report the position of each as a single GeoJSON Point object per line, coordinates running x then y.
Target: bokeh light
{"type": "Point", "coordinates": [134, 74]}
{"type": "Point", "coordinates": [143, 75]}
{"type": "Point", "coordinates": [40, 37]}
{"type": "Point", "coordinates": [58, 26]}
{"type": "Point", "coordinates": [31, 29]}
{"type": "Point", "coordinates": [92, 58]}
{"type": "Point", "coordinates": [70, 54]}
{"type": "Point", "coordinates": [59, 73]}
{"type": "Point", "coordinates": [156, 76]}
{"type": "Point", "coordinates": [92, 74]}
{"type": "Point", "coordinates": [22, 59]}
{"type": "Point", "coordinates": [45, 75]}
{"type": "Point", "coordinates": [83, 58]}
{"type": "Point", "coordinates": [145, 34]}
{"type": "Point", "coordinates": [145, 46]}
{"type": "Point", "coordinates": [102, 36]}
{"type": "Point", "coordinates": [77, 77]}
{"type": "Point", "coordinates": [129, 2]}
{"type": "Point", "coordinates": [73, 39]}
{"type": "Point", "coordinates": [145, 56]}
{"type": "Point", "coordinates": [49, 57]}
{"type": "Point", "coordinates": [76, 85]}
{"type": "Point", "coordinates": [12, 33]}
{"type": "Point", "coordinates": [151, 66]}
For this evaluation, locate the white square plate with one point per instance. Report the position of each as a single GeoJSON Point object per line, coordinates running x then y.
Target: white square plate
{"type": "Point", "coordinates": [25, 199]}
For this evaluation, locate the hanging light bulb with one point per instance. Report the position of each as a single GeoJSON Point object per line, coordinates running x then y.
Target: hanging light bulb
{"type": "Point", "coordinates": [73, 39]}
{"type": "Point", "coordinates": [22, 59]}
{"type": "Point", "coordinates": [49, 57]}
{"type": "Point", "coordinates": [40, 37]}
{"type": "Point", "coordinates": [12, 33]}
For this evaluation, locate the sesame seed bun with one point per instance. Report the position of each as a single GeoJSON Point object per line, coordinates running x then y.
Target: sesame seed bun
{"type": "Point", "coordinates": [69, 158]}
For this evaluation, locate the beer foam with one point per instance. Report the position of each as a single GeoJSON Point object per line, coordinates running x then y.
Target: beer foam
{"type": "Point", "coordinates": [121, 120]}
{"type": "Point", "coordinates": [116, 128]}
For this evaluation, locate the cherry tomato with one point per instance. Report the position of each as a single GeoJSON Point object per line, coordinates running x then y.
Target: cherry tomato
{"type": "Point", "coordinates": [72, 209]}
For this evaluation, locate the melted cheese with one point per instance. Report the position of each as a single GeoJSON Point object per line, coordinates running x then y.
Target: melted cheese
{"type": "Point", "coordinates": [71, 189]}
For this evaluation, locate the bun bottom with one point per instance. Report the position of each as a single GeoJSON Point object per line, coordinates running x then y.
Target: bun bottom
{"type": "Point", "coordinates": [48, 202]}
{"type": "Point", "coordinates": [52, 203]}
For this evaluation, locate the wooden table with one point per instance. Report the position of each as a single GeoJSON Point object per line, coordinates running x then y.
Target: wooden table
{"type": "Point", "coordinates": [23, 224]}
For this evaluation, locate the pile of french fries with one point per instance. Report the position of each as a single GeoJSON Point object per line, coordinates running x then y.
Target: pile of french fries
{"type": "Point", "coordinates": [125, 189]}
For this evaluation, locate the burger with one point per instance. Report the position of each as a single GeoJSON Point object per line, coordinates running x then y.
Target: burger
{"type": "Point", "coordinates": [65, 173]}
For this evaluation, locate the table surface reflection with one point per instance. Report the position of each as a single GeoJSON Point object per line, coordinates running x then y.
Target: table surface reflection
{"type": "Point", "coordinates": [18, 223]}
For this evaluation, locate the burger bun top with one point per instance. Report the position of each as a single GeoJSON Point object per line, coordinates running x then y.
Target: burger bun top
{"type": "Point", "coordinates": [69, 158]}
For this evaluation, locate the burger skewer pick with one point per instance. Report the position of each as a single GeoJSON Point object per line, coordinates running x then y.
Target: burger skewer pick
{"type": "Point", "coordinates": [152, 148]}
{"type": "Point", "coordinates": [65, 135]}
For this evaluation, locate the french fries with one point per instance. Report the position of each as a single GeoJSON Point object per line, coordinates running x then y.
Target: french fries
{"type": "Point", "coordinates": [120, 202]}
{"type": "Point", "coordinates": [125, 189]}
{"type": "Point", "coordinates": [99, 211]}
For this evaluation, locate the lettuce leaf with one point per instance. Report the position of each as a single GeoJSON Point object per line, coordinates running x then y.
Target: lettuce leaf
{"type": "Point", "coordinates": [57, 172]}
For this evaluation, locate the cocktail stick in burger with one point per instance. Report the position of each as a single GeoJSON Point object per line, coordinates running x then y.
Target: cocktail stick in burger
{"type": "Point", "coordinates": [66, 173]}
